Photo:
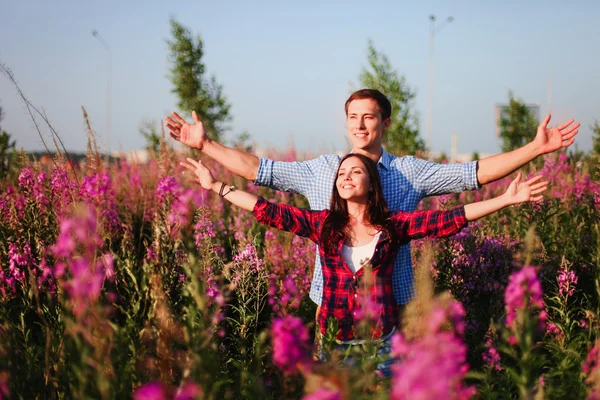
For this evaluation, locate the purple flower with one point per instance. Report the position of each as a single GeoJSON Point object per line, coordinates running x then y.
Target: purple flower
{"type": "Point", "coordinates": [441, 352]}
{"type": "Point", "coordinates": [567, 280]}
{"type": "Point", "coordinates": [524, 293]}
{"type": "Point", "coordinates": [80, 266]}
{"type": "Point", "coordinates": [291, 347]}
{"type": "Point", "coordinates": [167, 186]}
{"type": "Point", "coordinates": [491, 356]}
{"type": "Point", "coordinates": [249, 255]}
{"type": "Point", "coordinates": [26, 178]}
{"type": "Point", "coordinates": [150, 391]}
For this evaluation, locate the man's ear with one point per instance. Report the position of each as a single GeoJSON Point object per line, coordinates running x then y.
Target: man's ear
{"type": "Point", "coordinates": [386, 123]}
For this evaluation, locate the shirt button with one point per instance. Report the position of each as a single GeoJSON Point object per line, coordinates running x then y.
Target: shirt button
{"type": "Point", "coordinates": [355, 295]}
{"type": "Point", "coordinates": [354, 277]}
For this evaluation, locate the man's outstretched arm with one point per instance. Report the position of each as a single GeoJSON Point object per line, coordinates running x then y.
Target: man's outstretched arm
{"type": "Point", "coordinates": [239, 162]}
{"type": "Point", "coordinates": [546, 141]}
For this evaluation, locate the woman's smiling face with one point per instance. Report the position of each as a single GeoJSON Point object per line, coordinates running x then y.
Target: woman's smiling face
{"type": "Point", "coordinates": [352, 181]}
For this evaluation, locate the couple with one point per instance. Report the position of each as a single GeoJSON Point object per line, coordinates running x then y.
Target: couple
{"type": "Point", "coordinates": [404, 181]}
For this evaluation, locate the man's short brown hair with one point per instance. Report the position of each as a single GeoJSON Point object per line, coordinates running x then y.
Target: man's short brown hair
{"type": "Point", "coordinates": [385, 107]}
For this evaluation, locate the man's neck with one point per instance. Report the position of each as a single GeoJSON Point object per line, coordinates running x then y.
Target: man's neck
{"type": "Point", "coordinates": [373, 155]}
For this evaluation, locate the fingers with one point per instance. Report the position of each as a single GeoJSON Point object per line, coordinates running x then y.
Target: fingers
{"type": "Point", "coordinates": [517, 178]}
{"type": "Point", "coordinates": [539, 190]}
{"type": "Point", "coordinates": [569, 134]}
{"type": "Point", "coordinates": [195, 116]}
{"type": "Point", "coordinates": [174, 128]}
{"type": "Point", "coordinates": [539, 185]}
{"type": "Point", "coordinates": [569, 122]}
{"type": "Point", "coordinates": [176, 137]}
{"type": "Point", "coordinates": [536, 199]}
{"type": "Point", "coordinates": [188, 166]}
{"type": "Point", "coordinates": [534, 179]}
{"type": "Point", "coordinates": [178, 118]}
{"type": "Point", "coordinates": [194, 162]}
{"type": "Point", "coordinates": [567, 143]}
{"type": "Point", "coordinates": [546, 121]}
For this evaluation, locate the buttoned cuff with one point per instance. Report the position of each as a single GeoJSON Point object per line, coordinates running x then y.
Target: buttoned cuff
{"type": "Point", "coordinates": [470, 176]}
{"type": "Point", "coordinates": [260, 209]}
{"type": "Point", "coordinates": [459, 217]}
{"type": "Point", "coordinates": [264, 175]}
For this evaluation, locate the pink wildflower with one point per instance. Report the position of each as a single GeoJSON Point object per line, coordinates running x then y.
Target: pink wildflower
{"type": "Point", "coordinates": [443, 353]}
{"type": "Point", "coordinates": [150, 391]}
{"type": "Point", "coordinates": [291, 347]}
{"type": "Point", "coordinates": [567, 280]}
{"type": "Point", "coordinates": [524, 292]}
{"type": "Point", "coordinates": [324, 394]}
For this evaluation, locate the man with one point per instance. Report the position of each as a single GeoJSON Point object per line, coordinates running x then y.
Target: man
{"type": "Point", "coordinates": [405, 180]}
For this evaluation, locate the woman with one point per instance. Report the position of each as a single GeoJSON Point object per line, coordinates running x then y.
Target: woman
{"type": "Point", "coordinates": [358, 226]}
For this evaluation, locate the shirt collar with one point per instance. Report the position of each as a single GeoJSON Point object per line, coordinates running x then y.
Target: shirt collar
{"type": "Point", "coordinates": [385, 159]}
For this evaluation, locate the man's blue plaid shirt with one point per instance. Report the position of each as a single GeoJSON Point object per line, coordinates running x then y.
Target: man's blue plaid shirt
{"type": "Point", "coordinates": [405, 180]}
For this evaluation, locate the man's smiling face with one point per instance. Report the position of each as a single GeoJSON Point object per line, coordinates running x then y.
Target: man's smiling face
{"type": "Point", "coordinates": [365, 126]}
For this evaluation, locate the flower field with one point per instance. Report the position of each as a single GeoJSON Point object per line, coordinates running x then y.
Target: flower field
{"type": "Point", "coordinates": [128, 280]}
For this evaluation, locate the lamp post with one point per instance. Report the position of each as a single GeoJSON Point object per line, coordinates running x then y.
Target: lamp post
{"type": "Point", "coordinates": [432, 32]}
{"type": "Point", "coordinates": [108, 85]}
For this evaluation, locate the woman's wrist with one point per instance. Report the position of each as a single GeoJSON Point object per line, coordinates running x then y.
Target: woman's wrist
{"type": "Point", "coordinates": [216, 186]}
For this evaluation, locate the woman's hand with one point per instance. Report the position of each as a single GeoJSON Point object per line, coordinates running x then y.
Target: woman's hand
{"type": "Point", "coordinates": [205, 177]}
{"type": "Point", "coordinates": [521, 192]}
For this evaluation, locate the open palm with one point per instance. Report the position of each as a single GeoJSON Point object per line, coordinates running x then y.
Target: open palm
{"type": "Point", "coordinates": [521, 192]}
{"type": "Point", "coordinates": [552, 139]}
{"type": "Point", "coordinates": [203, 174]}
{"type": "Point", "coordinates": [190, 135]}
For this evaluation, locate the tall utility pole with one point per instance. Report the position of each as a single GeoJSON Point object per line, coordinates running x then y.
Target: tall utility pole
{"type": "Point", "coordinates": [432, 32]}
{"type": "Point", "coordinates": [108, 85]}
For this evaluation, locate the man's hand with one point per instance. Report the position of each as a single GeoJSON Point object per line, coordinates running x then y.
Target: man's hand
{"type": "Point", "coordinates": [203, 174]}
{"type": "Point", "coordinates": [521, 192]}
{"type": "Point", "coordinates": [548, 140]}
{"type": "Point", "coordinates": [190, 135]}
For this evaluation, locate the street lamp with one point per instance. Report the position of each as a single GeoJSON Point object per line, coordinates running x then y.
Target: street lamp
{"type": "Point", "coordinates": [108, 84]}
{"type": "Point", "coordinates": [432, 32]}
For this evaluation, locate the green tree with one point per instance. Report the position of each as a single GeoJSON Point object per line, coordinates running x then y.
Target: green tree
{"type": "Point", "coordinates": [196, 92]}
{"type": "Point", "coordinates": [596, 138]}
{"type": "Point", "coordinates": [149, 131]}
{"type": "Point", "coordinates": [7, 150]}
{"type": "Point", "coordinates": [517, 125]}
{"type": "Point", "coordinates": [402, 137]}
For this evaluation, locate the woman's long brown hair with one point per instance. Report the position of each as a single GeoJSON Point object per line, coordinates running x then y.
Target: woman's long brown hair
{"type": "Point", "coordinates": [334, 226]}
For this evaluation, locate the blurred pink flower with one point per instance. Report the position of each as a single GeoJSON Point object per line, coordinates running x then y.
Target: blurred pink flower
{"type": "Point", "coordinates": [150, 391]}
{"type": "Point", "coordinates": [524, 292]}
{"type": "Point", "coordinates": [441, 352]}
{"type": "Point", "coordinates": [291, 347]}
{"type": "Point", "coordinates": [324, 394]}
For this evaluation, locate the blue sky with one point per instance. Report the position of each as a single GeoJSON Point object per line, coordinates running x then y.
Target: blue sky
{"type": "Point", "coordinates": [288, 67]}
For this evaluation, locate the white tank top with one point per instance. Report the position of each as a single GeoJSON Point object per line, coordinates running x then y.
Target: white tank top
{"type": "Point", "coordinates": [355, 257]}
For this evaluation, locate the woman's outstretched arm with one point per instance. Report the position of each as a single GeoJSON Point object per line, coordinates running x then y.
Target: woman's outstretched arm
{"type": "Point", "coordinates": [419, 224]}
{"type": "Point", "coordinates": [517, 192]}
{"type": "Point", "coordinates": [299, 221]}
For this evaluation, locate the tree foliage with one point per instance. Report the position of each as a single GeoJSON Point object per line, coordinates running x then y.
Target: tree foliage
{"type": "Point", "coordinates": [149, 131]}
{"type": "Point", "coordinates": [402, 136]}
{"type": "Point", "coordinates": [7, 149]}
{"type": "Point", "coordinates": [596, 138]}
{"type": "Point", "coordinates": [517, 125]}
{"type": "Point", "coordinates": [196, 91]}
